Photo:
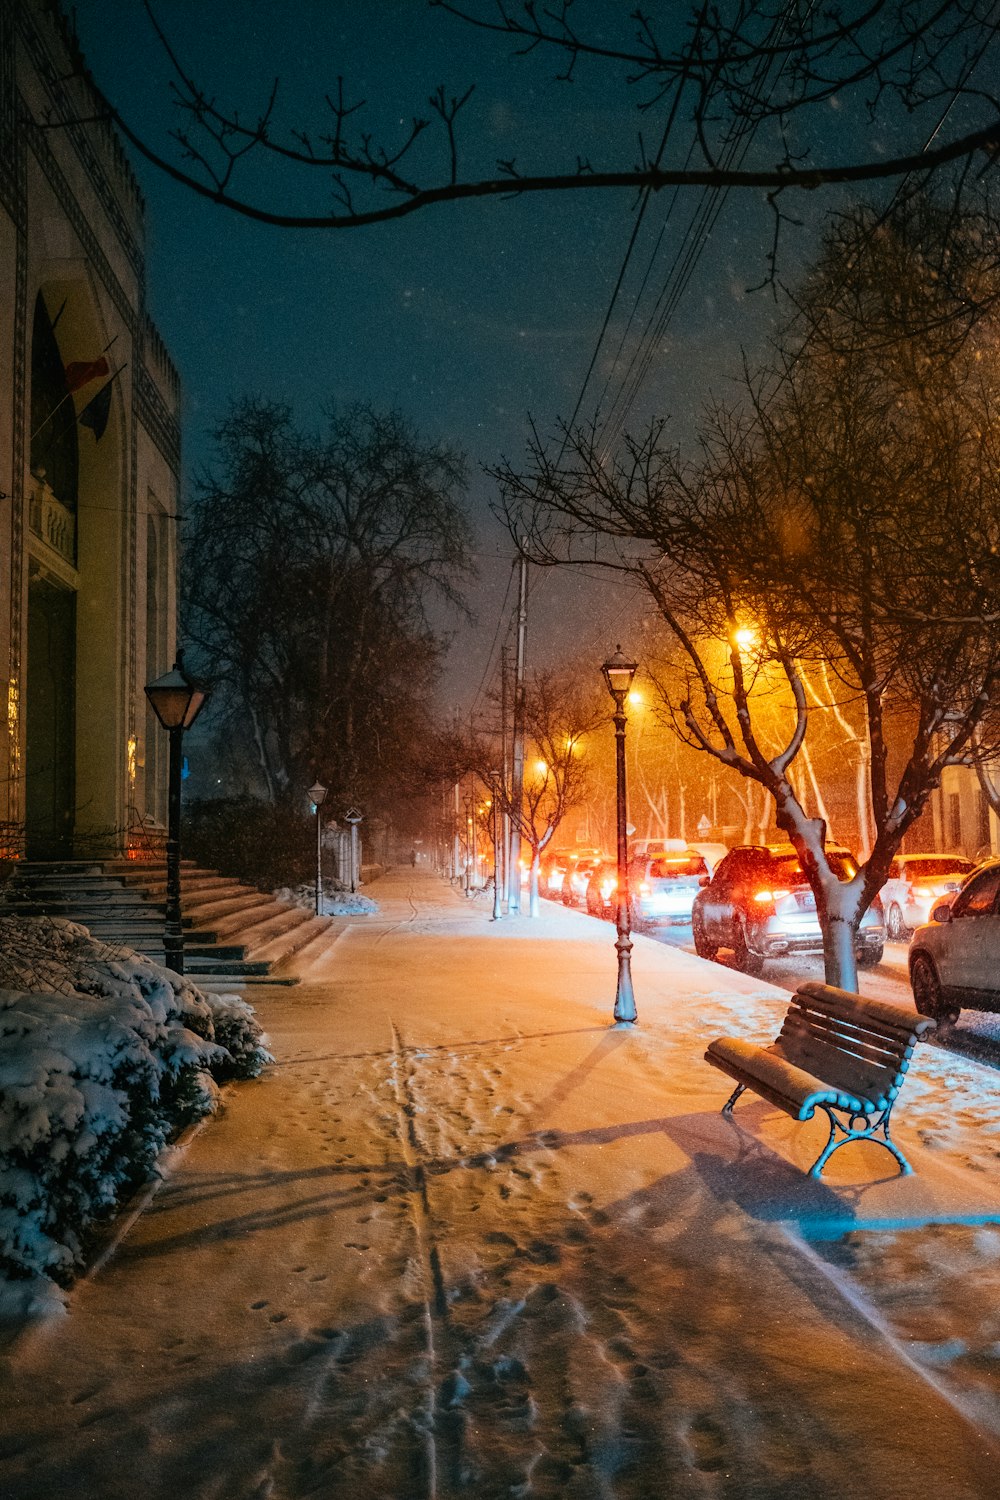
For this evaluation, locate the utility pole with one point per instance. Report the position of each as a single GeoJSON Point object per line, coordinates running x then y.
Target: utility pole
{"type": "Point", "coordinates": [517, 781]}
{"type": "Point", "coordinates": [504, 832]}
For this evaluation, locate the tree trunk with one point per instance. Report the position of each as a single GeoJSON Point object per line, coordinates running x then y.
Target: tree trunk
{"type": "Point", "coordinates": [533, 905]}
{"type": "Point", "coordinates": [840, 963]}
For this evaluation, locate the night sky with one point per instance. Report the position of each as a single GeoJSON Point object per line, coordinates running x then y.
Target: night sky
{"type": "Point", "coordinates": [464, 317]}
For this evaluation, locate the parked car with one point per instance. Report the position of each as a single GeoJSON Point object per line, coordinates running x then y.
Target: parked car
{"type": "Point", "coordinates": [915, 883]}
{"type": "Point", "coordinates": [577, 878]}
{"type": "Point", "coordinates": [712, 854]}
{"type": "Point", "coordinates": [662, 889]}
{"type": "Point", "coordinates": [602, 889]}
{"type": "Point", "coordinates": [552, 872]}
{"type": "Point", "coordinates": [955, 957]}
{"type": "Point", "coordinates": [759, 905]}
{"type": "Point", "coordinates": [554, 866]}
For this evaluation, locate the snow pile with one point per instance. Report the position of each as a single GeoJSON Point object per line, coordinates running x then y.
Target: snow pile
{"type": "Point", "coordinates": [104, 1056]}
{"type": "Point", "coordinates": [336, 901]}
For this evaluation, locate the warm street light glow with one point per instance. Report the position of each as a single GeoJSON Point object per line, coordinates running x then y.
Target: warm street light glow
{"type": "Point", "coordinates": [618, 674]}
{"type": "Point", "coordinates": [745, 637]}
{"type": "Point", "coordinates": [635, 696]}
{"type": "Point", "coordinates": [541, 767]}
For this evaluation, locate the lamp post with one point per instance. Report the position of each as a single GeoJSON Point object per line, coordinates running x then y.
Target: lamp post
{"type": "Point", "coordinates": [618, 674]}
{"type": "Point", "coordinates": [316, 794]}
{"type": "Point", "coordinates": [468, 843]}
{"type": "Point", "coordinates": [495, 833]}
{"type": "Point", "coordinates": [176, 700]}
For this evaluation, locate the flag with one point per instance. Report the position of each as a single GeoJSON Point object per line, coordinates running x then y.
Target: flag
{"type": "Point", "coordinates": [96, 412]}
{"type": "Point", "coordinates": [82, 371]}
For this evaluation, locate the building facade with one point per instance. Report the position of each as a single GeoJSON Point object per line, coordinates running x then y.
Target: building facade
{"type": "Point", "coordinates": [89, 466]}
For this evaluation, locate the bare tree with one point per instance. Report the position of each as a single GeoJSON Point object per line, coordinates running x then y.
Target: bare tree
{"type": "Point", "coordinates": [727, 95]}
{"type": "Point", "coordinates": [318, 559]}
{"type": "Point", "coordinates": [845, 521]}
{"type": "Point", "coordinates": [559, 714]}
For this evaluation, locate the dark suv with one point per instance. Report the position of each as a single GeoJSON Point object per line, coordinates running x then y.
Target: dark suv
{"type": "Point", "coordinates": [759, 905]}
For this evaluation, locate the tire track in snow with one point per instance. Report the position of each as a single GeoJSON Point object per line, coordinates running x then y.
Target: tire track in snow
{"type": "Point", "coordinates": [434, 1297]}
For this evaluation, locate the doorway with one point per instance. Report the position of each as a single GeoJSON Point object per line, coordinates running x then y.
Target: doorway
{"type": "Point", "coordinates": [50, 720]}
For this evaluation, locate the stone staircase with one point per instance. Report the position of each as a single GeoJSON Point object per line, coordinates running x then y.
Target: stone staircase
{"type": "Point", "coordinates": [234, 935]}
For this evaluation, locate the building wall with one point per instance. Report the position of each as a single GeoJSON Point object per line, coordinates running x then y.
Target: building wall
{"type": "Point", "coordinates": [74, 618]}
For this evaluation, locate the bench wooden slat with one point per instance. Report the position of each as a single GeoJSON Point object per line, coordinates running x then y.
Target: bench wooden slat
{"type": "Point", "coordinates": [862, 1009]}
{"type": "Point", "coordinates": [867, 1083]}
{"type": "Point", "coordinates": [799, 1023]}
{"type": "Point", "coordinates": [838, 1052]}
{"type": "Point", "coordinates": [795, 1090]}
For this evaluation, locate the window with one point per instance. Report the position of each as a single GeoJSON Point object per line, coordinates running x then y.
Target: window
{"type": "Point", "coordinates": [944, 864]}
{"type": "Point", "coordinates": [668, 868]}
{"type": "Point", "coordinates": [979, 895]}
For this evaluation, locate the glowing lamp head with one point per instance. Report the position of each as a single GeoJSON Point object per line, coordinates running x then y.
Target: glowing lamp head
{"type": "Point", "coordinates": [175, 698]}
{"type": "Point", "coordinates": [618, 674]}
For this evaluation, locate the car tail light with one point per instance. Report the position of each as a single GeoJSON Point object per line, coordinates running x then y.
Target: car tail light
{"type": "Point", "coordinates": [645, 888]}
{"type": "Point", "coordinates": [768, 897]}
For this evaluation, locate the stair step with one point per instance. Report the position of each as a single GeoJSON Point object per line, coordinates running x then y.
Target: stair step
{"type": "Point", "coordinates": [211, 910]}
{"type": "Point", "coordinates": [220, 984]}
{"type": "Point", "coordinates": [293, 940]}
{"type": "Point", "coordinates": [249, 920]}
{"type": "Point", "coordinates": [233, 932]}
{"type": "Point", "coordinates": [301, 960]}
{"type": "Point", "coordinates": [215, 951]}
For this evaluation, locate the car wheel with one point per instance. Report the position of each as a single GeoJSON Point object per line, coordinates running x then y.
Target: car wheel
{"type": "Point", "coordinates": [927, 994]}
{"type": "Point", "coordinates": [702, 946]}
{"type": "Point", "coordinates": [894, 924]}
{"type": "Point", "coordinates": [750, 963]}
{"type": "Point", "coordinates": [871, 955]}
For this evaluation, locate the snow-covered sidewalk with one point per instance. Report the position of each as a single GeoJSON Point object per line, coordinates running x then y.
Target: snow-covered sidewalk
{"type": "Point", "coordinates": [465, 1237]}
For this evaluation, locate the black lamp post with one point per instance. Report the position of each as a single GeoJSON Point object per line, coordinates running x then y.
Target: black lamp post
{"type": "Point", "coordinates": [618, 674]}
{"type": "Point", "coordinates": [176, 700]}
{"type": "Point", "coordinates": [494, 786]}
{"type": "Point", "coordinates": [316, 794]}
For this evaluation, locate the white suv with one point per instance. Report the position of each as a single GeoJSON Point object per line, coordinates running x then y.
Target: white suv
{"type": "Point", "coordinates": [915, 883]}
{"type": "Point", "coordinates": [955, 957]}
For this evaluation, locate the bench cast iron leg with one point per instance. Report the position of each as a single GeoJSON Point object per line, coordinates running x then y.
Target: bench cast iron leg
{"type": "Point", "coordinates": [727, 1108]}
{"type": "Point", "coordinates": [850, 1133]}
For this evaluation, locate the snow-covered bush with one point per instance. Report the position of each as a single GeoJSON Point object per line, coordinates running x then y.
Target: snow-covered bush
{"type": "Point", "coordinates": [338, 901]}
{"type": "Point", "coordinates": [104, 1056]}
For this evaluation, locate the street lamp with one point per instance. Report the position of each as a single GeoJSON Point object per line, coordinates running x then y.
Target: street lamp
{"type": "Point", "coordinates": [176, 700]}
{"type": "Point", "coordinates": [618, 674]}
{"type": "Point", "coordinates": [494, 785]}
{"type": "Point", "coordinates": [468, 843]}
{"type": "Point", "coordinates": [316, 794]}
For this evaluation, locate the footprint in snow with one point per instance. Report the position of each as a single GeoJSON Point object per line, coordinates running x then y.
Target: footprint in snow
{"type": "Point", "coordinates": [708, 1442]}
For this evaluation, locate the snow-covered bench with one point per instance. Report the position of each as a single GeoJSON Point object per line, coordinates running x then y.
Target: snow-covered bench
{"type": "Point", "coordinates": [836, 1051]}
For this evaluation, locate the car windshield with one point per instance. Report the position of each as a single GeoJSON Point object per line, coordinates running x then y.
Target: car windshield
{"type": "Point", "coordinates": [786, 867]}
{"type": "Point", "coordinates": [668, 867]}
{"type": "Point", "coordinates": [936, 864]}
